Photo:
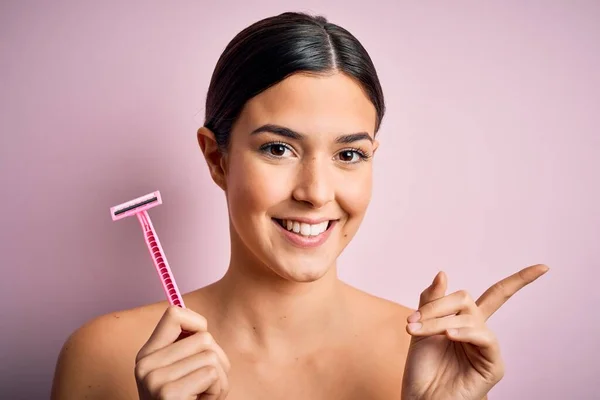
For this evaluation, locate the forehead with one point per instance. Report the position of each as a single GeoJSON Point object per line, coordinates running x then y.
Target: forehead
{"type": "Point", "coordinates": [332, 103]}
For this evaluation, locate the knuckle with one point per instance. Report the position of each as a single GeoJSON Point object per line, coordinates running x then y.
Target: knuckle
{"type": "Point", "coordinates": [173, 315]}
{"type": "Point", "coordinates": [173, 312]}
{"type": "Point", "coordinates": [152, 382]}
{"type": "Point", "coordinates": [168, 392]}
{"type": "Point", "coordinates": [139, 357]}
{"type": "Point", "coordinates": [524, 276]}
{"type": "Point", "coordinates": [206, 337]}
{"type": "Point", "coordinates": [141, 369]}
{"type": "Point", "coordinates": [203, 340]}
{"type": "Point", "coordinates": [501, 289]}
{"type": "Point", "coordinates": [464, 296]}
{"type": "Point", "coordinates": [211, 372]}
{"type": "Point", "coordinates": [211, 357]}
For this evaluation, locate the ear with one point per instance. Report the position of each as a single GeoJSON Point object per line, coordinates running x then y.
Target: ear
{"type": "Point", "coordinates": [215, 159]}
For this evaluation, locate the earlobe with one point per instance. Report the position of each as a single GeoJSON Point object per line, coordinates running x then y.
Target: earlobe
{"type": "Point", "coordinates": [215, 159]}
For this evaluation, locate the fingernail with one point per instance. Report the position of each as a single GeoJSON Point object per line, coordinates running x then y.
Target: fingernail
{"type": "Point", "coordinates": [414, 317]}
{"type": "Point", "coordinates": [453, 331]}
{"type": "Point", "coordinates": [414, 326]}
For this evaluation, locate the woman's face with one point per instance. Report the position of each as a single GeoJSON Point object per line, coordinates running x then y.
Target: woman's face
{"type": "Point", "coordinates": [298, 173]}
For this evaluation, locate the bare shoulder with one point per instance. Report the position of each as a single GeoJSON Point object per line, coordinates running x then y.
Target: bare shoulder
{"type": "Point", "coordinates": [97, 361]}
{"type": "Point", "coordinates": [387, 315]}
{"type": "Point", "coordinates": [381, 326]}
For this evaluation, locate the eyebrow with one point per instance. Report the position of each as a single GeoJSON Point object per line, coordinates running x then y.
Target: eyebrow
{"type": "Point", "coordinates": [290, 134]}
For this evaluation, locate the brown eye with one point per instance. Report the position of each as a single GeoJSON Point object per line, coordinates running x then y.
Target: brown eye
{"type": "Point", "coordinates": [278, 150]}
{"type": "Point", "coordinates": [347, 155]}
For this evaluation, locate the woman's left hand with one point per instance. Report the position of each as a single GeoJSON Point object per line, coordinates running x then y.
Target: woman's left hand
{"type": "Point", "coordinates": [453, 354]}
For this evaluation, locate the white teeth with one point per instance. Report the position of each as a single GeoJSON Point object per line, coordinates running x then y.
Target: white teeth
{"type": "Point", "coordinates": [305, 229]}
{"type": "Point", "coordinates": [316, 229]}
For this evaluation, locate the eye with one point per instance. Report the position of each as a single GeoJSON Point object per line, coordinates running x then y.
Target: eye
{"type": "Point", "coordinates": [276, 149]}
{"type": "Point", "coordinates": [352, 156]}
{"type": "Point", "coordinates": [348, 155]}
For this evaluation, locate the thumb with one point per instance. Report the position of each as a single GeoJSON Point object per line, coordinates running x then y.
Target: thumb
{"type": "Point", "coordinates": [436, 290]}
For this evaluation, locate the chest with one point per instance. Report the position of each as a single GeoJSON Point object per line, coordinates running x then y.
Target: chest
{"type": "Point", "coordinates": [341, 375]}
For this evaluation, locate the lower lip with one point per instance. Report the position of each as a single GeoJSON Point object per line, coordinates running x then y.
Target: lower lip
{"type": "Point", "coordinates": [306, 242]}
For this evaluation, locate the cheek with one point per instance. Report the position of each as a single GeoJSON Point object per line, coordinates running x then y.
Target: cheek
{"type": "Point", "coordinates": [354, 194]}
{"type": "Point", "coordinates": [253, 185]}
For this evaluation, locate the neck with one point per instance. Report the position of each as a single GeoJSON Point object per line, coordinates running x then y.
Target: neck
{"type": "Point", "coordinates": [261, 311]}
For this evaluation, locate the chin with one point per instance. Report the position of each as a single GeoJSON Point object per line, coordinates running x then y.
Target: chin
{"type": "Point", "coordinates": [302, 272]}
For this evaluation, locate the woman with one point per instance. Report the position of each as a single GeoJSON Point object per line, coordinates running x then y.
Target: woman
{"type": "Point", "coordinates": [292, 113]}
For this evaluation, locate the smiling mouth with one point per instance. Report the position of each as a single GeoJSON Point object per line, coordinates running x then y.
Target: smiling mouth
{"type": "Point", "coordinates": [302, 228]}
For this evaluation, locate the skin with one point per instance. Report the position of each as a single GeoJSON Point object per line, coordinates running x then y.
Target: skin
{"type": "Point", "coordinates": [280, 324]}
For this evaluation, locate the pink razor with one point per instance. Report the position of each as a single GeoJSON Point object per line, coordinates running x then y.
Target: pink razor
{"type": "Point", "coordinates": [140, 207]}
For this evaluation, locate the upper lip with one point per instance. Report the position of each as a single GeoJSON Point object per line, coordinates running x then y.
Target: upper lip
{"type": "Point", "coordinates": [311, 221]}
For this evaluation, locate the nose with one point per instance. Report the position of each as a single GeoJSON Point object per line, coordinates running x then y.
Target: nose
{"type": "Point", "coordinates": [313, 184]}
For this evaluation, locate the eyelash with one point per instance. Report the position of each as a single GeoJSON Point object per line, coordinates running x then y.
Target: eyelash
{"type": "Point", "coordinates": [363, 156]}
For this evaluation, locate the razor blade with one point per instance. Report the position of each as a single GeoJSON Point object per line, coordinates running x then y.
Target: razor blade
{"type": "Point", "coordinates": [135, 206]}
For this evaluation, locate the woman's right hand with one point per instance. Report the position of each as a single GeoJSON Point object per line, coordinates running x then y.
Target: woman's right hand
{"type": "Point", "coordinates": [194, 367]}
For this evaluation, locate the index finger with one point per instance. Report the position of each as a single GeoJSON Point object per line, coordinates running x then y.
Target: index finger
{"type": "Point", "coordinates": [169, 328]}
{"type": "Point", "coordinates": [499, 293]}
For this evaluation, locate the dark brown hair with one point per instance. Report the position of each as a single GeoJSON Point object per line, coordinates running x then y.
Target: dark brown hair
{"type": "Point", "coordinates": [274, 48]}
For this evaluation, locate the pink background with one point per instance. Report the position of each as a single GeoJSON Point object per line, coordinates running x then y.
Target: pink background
{"type": "Point", "coordinates": [489, 163]}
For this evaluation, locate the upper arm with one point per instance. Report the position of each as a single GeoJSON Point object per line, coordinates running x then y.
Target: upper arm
{"type": "Point", "coordinates": [89, 366]}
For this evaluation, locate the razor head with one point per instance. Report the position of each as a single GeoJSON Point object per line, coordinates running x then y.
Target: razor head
{"type": "Point", "coordinates": [135, 206]}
